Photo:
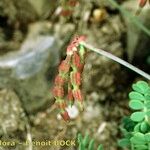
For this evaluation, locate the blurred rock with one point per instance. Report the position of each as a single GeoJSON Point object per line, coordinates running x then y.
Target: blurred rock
{"type": "Point", "coordinates": [11, 113]}
{"type": "Point", "coordinates": [43, 7]}
{"type": "Point", "coordinates": [17, 12]}
{"type": "Point", "coordinates": [25, 70]}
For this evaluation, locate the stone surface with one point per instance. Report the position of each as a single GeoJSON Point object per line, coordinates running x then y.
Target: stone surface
{"type": "Point", "coordinates": [25, 70]}
{"type": "Point", "coordinates": [11, 112]}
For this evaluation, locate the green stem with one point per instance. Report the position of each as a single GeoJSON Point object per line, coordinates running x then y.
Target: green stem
{"type": "Point", "coordinates": [116, 59]}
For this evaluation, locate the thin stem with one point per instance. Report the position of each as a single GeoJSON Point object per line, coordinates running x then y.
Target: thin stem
{"type": "Point", "coordinates": [116, 59]}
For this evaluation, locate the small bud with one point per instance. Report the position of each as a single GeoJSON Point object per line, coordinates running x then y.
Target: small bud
{"type": "Point", "coordinates": [58, 91]}
{"type": "Point", "coordinates": [75, 78]}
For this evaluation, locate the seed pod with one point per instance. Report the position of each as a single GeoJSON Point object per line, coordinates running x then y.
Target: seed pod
{"type": "Point", "coordinates": [58, 92]}
{"type": "Point", "coordinates": [142, 3]}
{"type": "Point", "coordinates": [70, 97]}
{"type": "Point", "coordinates": [76, 61]}
{"type": "Point", "coordinates": [59, 80]}
{"type": "Point", "coordinates": [64, 66]}
{"type": "Point", "coordinates": [65, 115]}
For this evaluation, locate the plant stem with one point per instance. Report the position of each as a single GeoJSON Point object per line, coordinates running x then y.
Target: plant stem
{"type": "Point", "coordinates": [116, 59]}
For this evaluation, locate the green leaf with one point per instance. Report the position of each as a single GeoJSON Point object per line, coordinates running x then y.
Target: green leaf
{"type": "Point", "coordinates": [147, 105]}
{"type": "Point", "coordinates": [144, 127]}
{"type": "Point", "coordinates": [124, 142]}
{"type": "Point", "coordinates": [100, 147]}
{"type": "Point", "coordinates": [141, 147]}
{"type": "Point", "coordinates": [140, 86]}
{"type": "Point", "coordinates": [147, 137]}
{"type": "Point", "coordinates": [136, 96]}
{"type": "Point", "coordinates": [79, 138]}
{"type": "Point", "coordinates": [137, 127]}
{"type": "Point", "coordinates": [136, 105]}
{"type": "Point", "coordinates": [148, 113]}
{"type": "Point", "coordinates": [138, 138]}
{"type": "Point", "coordinates": [147, 97]}
{"type": "Point", "coordinates": [86, 140]}
{"type": "Point", "coordinates": [137, 116]}
{"type": "Point", "coordinates": [91, 145]}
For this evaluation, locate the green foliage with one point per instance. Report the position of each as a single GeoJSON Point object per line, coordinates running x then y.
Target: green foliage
{"type": "Point", "coordinates": [136, 128]}
{"type": "Point", "coordinates": [86, 143]}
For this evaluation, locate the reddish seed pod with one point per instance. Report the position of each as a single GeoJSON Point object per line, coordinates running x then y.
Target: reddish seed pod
{"type": "Point", "coordinates": [76, 61]}
{"type": "Point", "coordinates": [81, 67]}
{"type": "Point", "coordinates": [64, 66]}
{"type": "Point", "coordinates": [58, 91]}
{"type": "Point", "coordinates": [65, 115]}
{"type": "Point", "coordinates": [70, 95]}
{"type": "Point", "coordinates": [77, 95]}
{"type": "Point", "coordinates": [76, 78]}
{"type": "Point", "coordinates": [142, 3]}
{"type": "Point", "coordinates": [59, 80]}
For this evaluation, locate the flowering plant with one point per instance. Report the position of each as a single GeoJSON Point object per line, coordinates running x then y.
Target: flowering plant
{"type": "Point", "coordinates": [70, 74]}
{"type": "Point", "coordinates": [70, 71]}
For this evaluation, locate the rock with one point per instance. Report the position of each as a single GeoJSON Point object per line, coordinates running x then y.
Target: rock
{"type": "Point", "coordinates": [17, 12]}
{"type": "Point", "coordinates": [25, 70]}
{"type": "Point", "coordinates": [43, 7]}
{"type": "Point", "coordinates": [11, 112]}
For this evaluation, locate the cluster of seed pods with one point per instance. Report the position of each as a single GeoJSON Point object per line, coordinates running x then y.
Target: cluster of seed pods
{"type": "Point", "coordinates": [69, 73]}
